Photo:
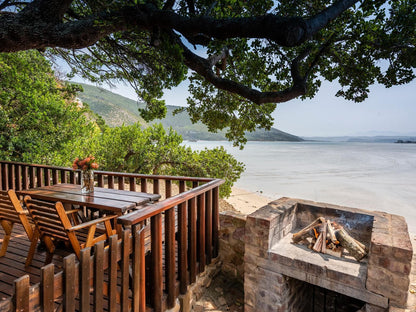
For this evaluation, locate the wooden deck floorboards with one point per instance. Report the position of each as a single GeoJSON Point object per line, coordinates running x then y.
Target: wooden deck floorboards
{"type": "Point", "coordinates": [12, 265]}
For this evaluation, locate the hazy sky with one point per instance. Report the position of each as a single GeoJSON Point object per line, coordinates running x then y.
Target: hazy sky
{"type": "Point", "coordinates": [386, 112]}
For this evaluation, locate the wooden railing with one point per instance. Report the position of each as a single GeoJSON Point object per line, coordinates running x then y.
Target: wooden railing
{"type": "Point", "coordinates": [181, 241]}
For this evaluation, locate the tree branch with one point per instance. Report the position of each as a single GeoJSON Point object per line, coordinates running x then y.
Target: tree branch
{"type": "Point", "coordinates": [204, 68]}
{"type": "Point", "coordinates": [191, 6]}
{"type": "Point", "coordinates": [169, 5]}
{"type": "Point", "coordinates": [320, 20]}
{"type": "Point", "coordinates": [32, 29]}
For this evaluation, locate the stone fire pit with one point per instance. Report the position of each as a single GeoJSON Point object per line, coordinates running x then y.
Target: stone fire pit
{"type": "Point", "coordinates": [281, 276]}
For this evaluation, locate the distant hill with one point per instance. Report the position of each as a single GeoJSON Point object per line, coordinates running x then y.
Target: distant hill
{"type": "Point", "coordinates": [364, 139]}
{"type": "Point", "coordinates": [116, 110]}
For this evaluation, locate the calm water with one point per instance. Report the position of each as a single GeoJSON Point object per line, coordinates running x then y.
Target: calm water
{"type": "Point", "coordinates": [373, 176]}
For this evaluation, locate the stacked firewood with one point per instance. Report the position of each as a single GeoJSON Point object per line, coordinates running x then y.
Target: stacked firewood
{"type": "Point", "coordinates": [330, 238]}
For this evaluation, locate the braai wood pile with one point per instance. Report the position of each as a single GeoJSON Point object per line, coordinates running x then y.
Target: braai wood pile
{"type": "Point", "coordinates": [329, 237]}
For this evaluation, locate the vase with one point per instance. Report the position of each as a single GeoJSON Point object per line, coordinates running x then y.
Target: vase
{"type": "Point", "coordinates": [87, 181]}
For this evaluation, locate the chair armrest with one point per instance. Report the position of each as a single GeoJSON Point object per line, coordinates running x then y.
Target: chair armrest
{"type": "Point", "coordinates": [92, 222]}
{"type": "Point", "coordinates": [72, 211]}
{"type": "Point", "coordinates": [23, 212]}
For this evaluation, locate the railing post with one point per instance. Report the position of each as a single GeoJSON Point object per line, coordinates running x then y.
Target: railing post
{"type": "Point", "coordinates": [156, 186]}
{"type": "Point", "coordinates": [132, 184]}
{"type": "Point", "coordinates": [110, 181]}
{"type": "Point", "coordinates": [201, 231]}
{"type": "Point", "coordinates": [168, 188]}
{"type": "Point", "coordinates": [170, 248]}
{"type": "Point", "coordinates": [139, 278]}
{"type": "Point", "coordinates": [47, 176]}
{"type": "Point", "coordinates": [84, 280]}
{"type": "Point", "coordinates": [39, 176]}
{"type": "Point", "coordinates": [1, 175]}
{"type": "Point", "coordinates": [120, 183]}
{"type": "Point", "coordinates": [208, 226]}
{"type": "Point", "coordinates": [69, 283]}
{"type": "Point", "coordinates": [55, 176]}
{"type": "Point", "coordinates": [32, 176]}
{"type": "Point", "coordinates": [98, 277]}
{"type": "Point", "coordinates": [25, 177]}
{"type": "Point", "coordinates": [192, 240]}
{"type": "Point", "coordinates": [63, 176]}
{"type": "Point", "coordinates": [72, 178]}
{"type": "Point", "coordinates": [112, 274]}
{"type": "Point", "coordinates": [21, 294]}
{"type": "Point", "coordinates": [182, 247]}
{"type": "Point", "coordinates": [143, 185]}
{"type": "Point", "coordinates": [215, 220]}
{"type": "Point", "coordinates": [100, 180]}
{"type": "Point", "coordinates": [18, 177]}
{"type": "Point", "coordinates": [156, 254]}
{"type": "Point", "coordinates": [12, 178]}
{"type": "Point", "coordinates": [170, 256]}
{"type": "Point", "coordinates": [125, 258]}
{"type": "Point", "coordinates": [47, 288]}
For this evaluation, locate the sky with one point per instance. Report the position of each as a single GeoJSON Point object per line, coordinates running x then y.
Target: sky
{"type": "Point", "coordinates": [389, 111]}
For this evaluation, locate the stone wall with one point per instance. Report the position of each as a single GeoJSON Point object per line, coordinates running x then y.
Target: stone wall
{"type": "Point", "coordinates": [232, 246]}
{"type": "Point", "coordinates": [390, 258]}
{"type": "Point", "coordinates": [264, 288]}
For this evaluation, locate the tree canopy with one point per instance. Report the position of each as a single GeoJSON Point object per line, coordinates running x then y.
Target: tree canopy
{"type": "Point", "coordinates": [39, 118]}
{"type": "Point", "coordinates": [41, 121]}
{"type": "Point", "coordinates": [241, 56]}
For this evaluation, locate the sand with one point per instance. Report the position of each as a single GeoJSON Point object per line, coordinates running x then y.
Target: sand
{"type": "Point", "coordinates": [245, 201]}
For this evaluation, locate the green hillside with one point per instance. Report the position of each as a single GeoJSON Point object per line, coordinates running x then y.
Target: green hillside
{"type": "Point", "coordinates": [116, 110]}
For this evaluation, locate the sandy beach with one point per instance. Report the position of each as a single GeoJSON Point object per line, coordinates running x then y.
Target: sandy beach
{"type": "Point", "coordinates": [245, 201]}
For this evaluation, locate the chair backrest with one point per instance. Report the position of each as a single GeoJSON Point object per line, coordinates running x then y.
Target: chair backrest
{"type": "Point", "coordinates": [7, 211]}
{"type": "Point", "coordinates": [47, 220]}
{"type": "Point", "coordinates": [52, 222]}
{"type": "Point", "coordinates": [11, 210]}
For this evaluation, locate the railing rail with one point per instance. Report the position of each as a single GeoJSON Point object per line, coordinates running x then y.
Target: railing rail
{"type": "Point", "coordinates": [183, 228]}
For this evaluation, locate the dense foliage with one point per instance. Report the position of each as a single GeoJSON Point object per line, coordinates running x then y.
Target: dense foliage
{"type": "Point", "coordinates": [155, 151]}
{"type": "Point", "coordinates": [242, 57]}
{"type": "Point", "coordinates": [38, 118]}
{"type": "Point", "coordinates": [41, 122]}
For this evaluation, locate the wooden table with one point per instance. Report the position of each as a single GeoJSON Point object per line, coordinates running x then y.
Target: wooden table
{"type": "Point", "coordinates": [104, 199]}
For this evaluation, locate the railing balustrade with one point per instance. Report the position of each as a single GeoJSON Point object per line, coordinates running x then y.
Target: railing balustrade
{"type": "Point", "coordinates": [162, 260]}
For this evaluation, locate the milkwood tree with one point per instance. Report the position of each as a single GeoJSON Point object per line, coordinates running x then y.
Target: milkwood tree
{"type": "Point", "coordinates": [241, 56]}
{"type": "Point", "coordinates": [39, 120]}
{"type": "Point", "coordinates": [154, 150]}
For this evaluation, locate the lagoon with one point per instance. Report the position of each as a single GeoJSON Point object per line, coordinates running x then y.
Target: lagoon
{"type": "Point", "coordinates": [372, 176]}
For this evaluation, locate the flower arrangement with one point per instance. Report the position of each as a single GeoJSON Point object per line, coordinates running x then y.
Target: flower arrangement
{"type": "Point", "coordinates": [87, 163]}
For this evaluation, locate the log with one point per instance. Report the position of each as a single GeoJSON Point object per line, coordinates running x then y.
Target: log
{"type": "Point", "coordinates": [331, 231]}
{"type": "Point", "coordinates": [297, 237]}
{"type": "Point", "coordinates": [350, 244]}
{"type": "Point", "coordinates": [361, 245]}
{"type": "Point", "coordinates": [324, 226]}
{"type": "Point", "coordinates": [336, 253]}
{"type": "Point", "coordinates": [319, 243]}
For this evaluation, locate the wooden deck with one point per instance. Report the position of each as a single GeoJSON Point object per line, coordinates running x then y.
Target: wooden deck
{"type": "Point", "coordinates": [163, 249]}
{"type": "Point", "coordinates": [12, 265]}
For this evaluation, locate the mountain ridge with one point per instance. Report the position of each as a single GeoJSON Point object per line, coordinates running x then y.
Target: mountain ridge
{"type": "Point", "coordinates": [116, 110]}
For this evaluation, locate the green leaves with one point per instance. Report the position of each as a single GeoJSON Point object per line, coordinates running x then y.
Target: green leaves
{"type": "Point", "coordinates": [238, 50]}
{"type": "Point", "coordinates": [38, 118]}
{"type": "Point", "coordinates": [155, 151]}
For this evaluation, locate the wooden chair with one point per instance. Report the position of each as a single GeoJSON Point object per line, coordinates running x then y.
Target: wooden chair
{"type": "Point", "coordinates": [11, 212]}
{"type": "Point", "coordinates": [54, 224]}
